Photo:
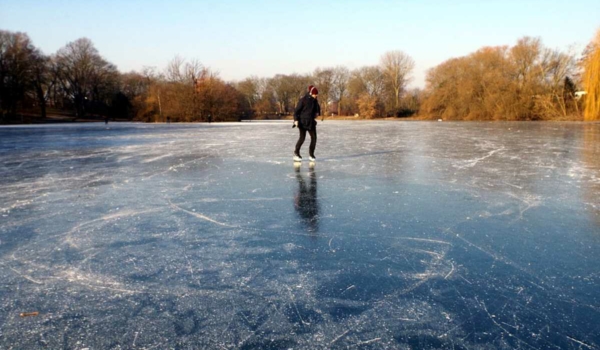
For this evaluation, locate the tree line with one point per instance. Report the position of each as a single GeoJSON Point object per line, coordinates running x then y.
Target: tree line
{"type": "Point", "coordinates": [524, 82]}
{"type": "Point", "coordinates": [527, 81]}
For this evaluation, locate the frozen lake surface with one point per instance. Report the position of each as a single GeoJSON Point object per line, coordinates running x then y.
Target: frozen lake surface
{"type": "Point", "coordinates": [404, 235]}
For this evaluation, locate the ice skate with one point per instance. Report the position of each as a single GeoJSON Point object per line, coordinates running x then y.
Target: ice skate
{"type": "Point", "coordinates": [297, 157]}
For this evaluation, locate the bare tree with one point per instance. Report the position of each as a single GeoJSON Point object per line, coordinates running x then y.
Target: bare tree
{"type": "Point", "coordinates": [525, 55]}
{"type": "Point", "coordinates": [397, 67]}
{"type": "Point", "coordinates": [287, 89]}
{"type": "Point", "coordinates": [373, 80]}
{"type": "Point", "coordinates": [83, 72]}
{"type": "Point", "coordinates": [366, 80]}
{"type": "Point", "coordinates": [17, 74]}
{"type": "Point", "coordinates": [195, 70]}
{"type": "Point", "coordinates": [174, 71]}
{"type": "Point", "coordinates": [266, 103]}
{"type": "Point", "coordinates": [217, 100]}
{"type": "Point", "coordinates": [555, 68]}
{"type": "Point", "coordinates": [323, 79]}
{"type": "Point", "coordinates": [341, 76]}
{"type": "Point", "coordinates": [282, 93]}
{"type": "Point", "coordinates": [249, 87]}
{"type": "Point", "coordinates": [44, 80]}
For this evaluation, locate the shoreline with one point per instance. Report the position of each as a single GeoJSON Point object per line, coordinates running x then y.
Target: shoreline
{"type": "Point", "coordinates": [61, 119]}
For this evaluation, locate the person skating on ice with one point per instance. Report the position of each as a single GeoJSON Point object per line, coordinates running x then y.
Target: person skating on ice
{"type": "Point", "coordinates": [305, 116]}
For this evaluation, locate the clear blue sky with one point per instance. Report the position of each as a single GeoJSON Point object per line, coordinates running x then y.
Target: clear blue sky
{"type": "Point", "coordinates": [266, 37]}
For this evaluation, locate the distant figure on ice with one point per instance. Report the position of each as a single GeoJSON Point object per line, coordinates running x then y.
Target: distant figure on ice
{"type": "Point", "coordinates": [106, 120]}
{"type": "Point", "coordinates": [305, 116]}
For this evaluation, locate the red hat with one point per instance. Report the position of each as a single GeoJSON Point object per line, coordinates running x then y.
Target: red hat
{"type": "Point", "coordinates": [310, 87]}
{"type": "Point", "coordinates": [313, 90]}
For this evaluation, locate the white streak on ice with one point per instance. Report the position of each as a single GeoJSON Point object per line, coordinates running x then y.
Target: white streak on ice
{"type": "Point", "coordinates": [199, 216]}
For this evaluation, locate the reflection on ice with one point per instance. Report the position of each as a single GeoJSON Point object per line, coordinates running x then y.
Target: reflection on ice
{"type": "Point", "coordinates": [405, 235]}
{"type": "Point", "coordinates": [306, 200]}
{"type": "Point", "coordinates": [590, 152]}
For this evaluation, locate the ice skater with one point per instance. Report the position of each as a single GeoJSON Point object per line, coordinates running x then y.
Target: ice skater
{"type": "Point", "coordinates": [305, 118]}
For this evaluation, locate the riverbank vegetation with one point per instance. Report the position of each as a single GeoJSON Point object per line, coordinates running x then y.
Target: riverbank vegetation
{"type": "Point", "coordinates": [591, 79]}
{"type": "Point", "coordinates": [525, 81]}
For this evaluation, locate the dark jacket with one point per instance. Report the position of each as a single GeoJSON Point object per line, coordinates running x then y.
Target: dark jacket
{"type": "Point", "coordinates": [306, 112]}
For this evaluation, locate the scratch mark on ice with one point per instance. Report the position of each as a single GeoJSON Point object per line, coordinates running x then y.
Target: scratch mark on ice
{"type": "Point", "coordinates": [368, 341]}
{"type": "Point", "coordinates": [471, 163]}
{"type": "Point", "coordinates": [580, 342]}
{"type": "Point", "coordinates": [25, 276]}
{"type": "Point", "coordinates": [425, 240]}
{"type": "Point", "coordinates": [199, 216]}
{"type": "Point", "coordinates": [451, 271]}
{"type": "Point", "coordinates": [338, 337]}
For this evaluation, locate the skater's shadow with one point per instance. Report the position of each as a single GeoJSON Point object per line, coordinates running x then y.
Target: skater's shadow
{"type": "Point", "coordinates": [359, 155]}
{"type": "Point", "coordinates": [305, 200]}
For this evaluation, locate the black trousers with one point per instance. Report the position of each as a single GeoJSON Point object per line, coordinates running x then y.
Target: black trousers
{"type": "Point", "coordinates": [313, 140]}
